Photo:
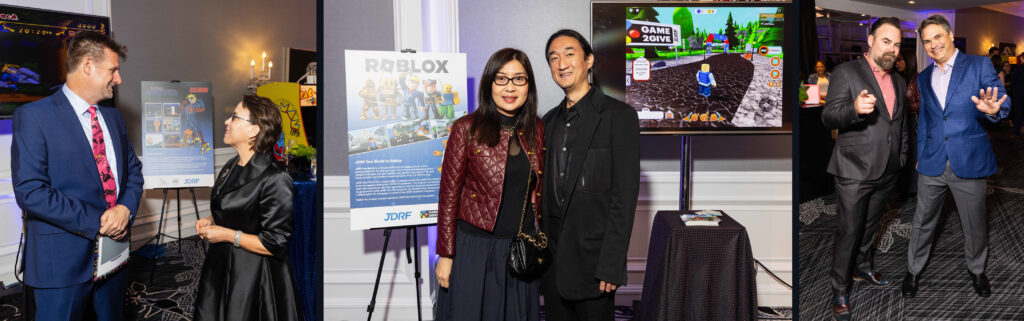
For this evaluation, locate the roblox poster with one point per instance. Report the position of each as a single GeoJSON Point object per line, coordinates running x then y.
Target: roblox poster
{"type": "Point", "coordinates": [177, 133]}
{"type": "Point", "coordinates": [400, 108]}
{"type": "Point", "coordinates": [700, 67]}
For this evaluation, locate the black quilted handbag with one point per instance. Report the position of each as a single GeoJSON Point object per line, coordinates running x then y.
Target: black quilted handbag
{"type": "Point", "coordinates": [528, 255]}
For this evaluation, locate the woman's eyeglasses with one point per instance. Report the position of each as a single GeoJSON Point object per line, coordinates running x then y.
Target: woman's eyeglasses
{"type": "Point", "coordinates": [517, 80]}
{"type": "Point", "coordinates": [235, 116]}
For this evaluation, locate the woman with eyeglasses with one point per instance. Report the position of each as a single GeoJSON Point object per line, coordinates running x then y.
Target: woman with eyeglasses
{"type": "Point", "coordinates": [245, 275]}
{"type": "Point", "coordinates": [490, 187]}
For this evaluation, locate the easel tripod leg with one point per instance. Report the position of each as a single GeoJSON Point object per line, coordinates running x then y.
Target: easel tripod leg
{"type": "Point", "coordinates": [380, 268]}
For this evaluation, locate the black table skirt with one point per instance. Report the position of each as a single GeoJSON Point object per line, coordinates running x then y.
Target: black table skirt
{"type": "Point", "coordinates": [698, 272]}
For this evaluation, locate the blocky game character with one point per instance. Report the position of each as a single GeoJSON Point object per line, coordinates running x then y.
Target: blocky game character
{"type": "Point", "coordinates": [450, 98]}
{"type": "Point", "coordinates": [431, 99]}
{"type": "Point", "coordinates": [193, 136]}
{"type": "Point", "coordinates": [705, 80]}
{"type": "Point", "coordinates": [388, 96]}
{"type": "Point", "coordinates": [369, 95]}
{"type": "Point", "coordinates": [413, 97]}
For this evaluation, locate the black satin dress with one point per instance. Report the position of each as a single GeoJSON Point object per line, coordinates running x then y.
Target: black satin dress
{"type": "Point", "coordinates": [236, 284]}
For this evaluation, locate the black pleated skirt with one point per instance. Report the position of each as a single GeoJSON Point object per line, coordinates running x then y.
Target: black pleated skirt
{"type": "Point", "coordinates": [481, 287]}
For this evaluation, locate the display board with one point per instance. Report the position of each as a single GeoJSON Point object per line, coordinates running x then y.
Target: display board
{"type": "Point", "coordinates": [400, 109]}
{"type": "Point", "coordinates": [177, 133]}
{"type": "Point", "coordinates": [33, 44]}
{"type": "Point", "coordinates": [693, 67]}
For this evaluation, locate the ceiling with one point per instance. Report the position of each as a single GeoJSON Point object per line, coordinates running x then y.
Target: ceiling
{"type": "Point", "coordinates": [1015, 7]}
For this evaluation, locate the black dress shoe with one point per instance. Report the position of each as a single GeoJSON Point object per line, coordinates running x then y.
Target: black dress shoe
{"type": "Point", "coordinates": [910, 285]}
{"type": "Point", "coordinates": [873, 278]}
{"type": "Point", "coordinates": [980, 283]}
{"type": "Point", "coordinates": [841, 308]}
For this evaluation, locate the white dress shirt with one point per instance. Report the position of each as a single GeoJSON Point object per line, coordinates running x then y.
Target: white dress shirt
{"type": "Point", "coordinates": [940, 78]}
{"type": "Point", "coordinates": [82, 110]}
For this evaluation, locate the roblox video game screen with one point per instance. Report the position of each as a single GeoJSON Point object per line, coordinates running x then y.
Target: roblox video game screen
{"type": "Point", "coordinates": [694, 67]}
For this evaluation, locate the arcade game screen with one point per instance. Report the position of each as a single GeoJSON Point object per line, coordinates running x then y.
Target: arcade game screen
{"type": "Point", "coordinates": [694, 68]}
{"type": "Point", "coordinates": [33, 43]}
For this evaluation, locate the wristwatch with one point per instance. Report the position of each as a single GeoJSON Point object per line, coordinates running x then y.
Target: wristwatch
{"type": "Point", "coordinates": [238, 237]}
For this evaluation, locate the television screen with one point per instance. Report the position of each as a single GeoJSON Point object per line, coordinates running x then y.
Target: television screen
{"type": "Point", "coordinates": [33, 43]}
{"type": "Point", "coordinates": [693, 68]}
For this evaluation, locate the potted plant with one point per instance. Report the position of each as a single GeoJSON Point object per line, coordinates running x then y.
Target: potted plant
{"type": "Point", "coordinates": [300, 158]}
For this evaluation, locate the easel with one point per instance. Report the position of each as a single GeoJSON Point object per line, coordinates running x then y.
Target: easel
{"type": "Point", "coordinates": [160, 229]}
{"type": "Point", "coordinates": [380, 268]}
{"type": "Point", "coordinates": [384, 252]}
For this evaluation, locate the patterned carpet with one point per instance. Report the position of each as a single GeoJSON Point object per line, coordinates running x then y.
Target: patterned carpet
{"type": "Point", "coordinates": [171, 293]}
{"type": "Point", "coordinates": [945, 291]}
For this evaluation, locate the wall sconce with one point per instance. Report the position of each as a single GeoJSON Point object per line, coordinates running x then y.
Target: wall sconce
{"type": "Point", "coordinates": [261, 78]}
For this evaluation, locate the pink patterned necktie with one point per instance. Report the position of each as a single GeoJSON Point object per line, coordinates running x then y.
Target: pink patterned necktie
{"type": "Point", "coordinates": [99, 151]}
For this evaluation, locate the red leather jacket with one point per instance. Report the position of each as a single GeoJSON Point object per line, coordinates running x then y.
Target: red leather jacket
{"type": "Point", "coordinates": [472, 177]}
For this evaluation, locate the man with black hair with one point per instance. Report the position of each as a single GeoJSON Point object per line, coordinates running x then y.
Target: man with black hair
{"type": "Point", "coordinates": [869, 154]}
{"type": "Point", "coordinates": [590, 190]}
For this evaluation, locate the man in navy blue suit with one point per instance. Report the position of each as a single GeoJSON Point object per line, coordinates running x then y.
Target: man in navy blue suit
{"type": "Point", "coordinates": [76, 177]}
{"type": "Point", "coordinates": [958, 93]}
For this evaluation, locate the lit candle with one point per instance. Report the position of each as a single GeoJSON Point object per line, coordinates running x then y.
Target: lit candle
{"type": "Point", "coordinates": [263, 62]}
{"type": "Point", "coordinates": [270, 68]}
{"type": "Point", "coordinates": [252, 68]}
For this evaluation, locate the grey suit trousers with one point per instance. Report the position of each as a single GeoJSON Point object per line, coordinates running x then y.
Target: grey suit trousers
{"type": "Point", "coordinates": [969, 194]}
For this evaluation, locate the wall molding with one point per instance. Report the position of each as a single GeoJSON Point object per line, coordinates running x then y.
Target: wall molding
{"type": "Point", "coordinates": [757, 197]}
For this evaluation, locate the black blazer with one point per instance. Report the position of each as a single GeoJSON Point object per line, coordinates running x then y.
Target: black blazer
{"type": "Point", "coordinates": [590, 235]}
{"type": "Point", "coordinates": [865, 141]}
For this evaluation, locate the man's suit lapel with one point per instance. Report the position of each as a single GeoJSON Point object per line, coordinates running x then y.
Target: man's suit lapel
{"type": "Point", "coordinates": [587, 123]}
{"type": "Point", "coordinates": [115, 132]}
{"type": "Point", "coordinates": [901, 90]}
{"type": "Point", "coordinates": [927, 93]}
{"type": "Point", "coordinates": [959, 68]}
{"type": "Point", "coordinates": [66, 119]}
{"type": "Point", "coordinates": [869, 76]}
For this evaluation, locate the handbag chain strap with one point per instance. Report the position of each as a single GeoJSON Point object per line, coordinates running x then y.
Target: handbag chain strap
{"type": "Point", "coordinates": [541, 241]}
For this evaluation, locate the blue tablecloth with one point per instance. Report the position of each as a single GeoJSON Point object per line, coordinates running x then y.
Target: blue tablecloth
{"type": "Point", "coordinates": [302, 249]}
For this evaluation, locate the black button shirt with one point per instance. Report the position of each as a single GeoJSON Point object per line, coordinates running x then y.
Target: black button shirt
{"type": "Point", "coordinates": [563, 136]}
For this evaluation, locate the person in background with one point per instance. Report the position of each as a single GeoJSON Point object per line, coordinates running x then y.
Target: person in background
{"type": "Point", "coordinates": [906, 66]}
{"type": "Point", "coordinates": [76, 177]}
{"type": "Point", "coordinates": [490, 186]}
{"type": "Point", "coordinates": [997, 64]}
{"type": "Point", "coordinates": [1017, 96]}
{"type": "Point", "coordinates": [820, 77]}
{"type": "Point", "coordinates": [245, 275]}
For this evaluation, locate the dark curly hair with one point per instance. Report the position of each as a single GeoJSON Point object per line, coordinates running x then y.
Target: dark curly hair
{"type": "Point", "coordinates": [263, 113]}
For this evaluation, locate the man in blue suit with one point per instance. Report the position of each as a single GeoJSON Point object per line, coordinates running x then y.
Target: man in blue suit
{"type": "Point", "coordinates": [76, 177]}
{"type": "Point", "coordinates": [958, 93]}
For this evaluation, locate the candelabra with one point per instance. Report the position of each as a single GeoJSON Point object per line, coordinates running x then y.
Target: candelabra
{"type": "Point", "coordinates": [262, 77]}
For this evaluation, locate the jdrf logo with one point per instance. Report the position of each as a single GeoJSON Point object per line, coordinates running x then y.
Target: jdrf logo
{"type": "Point", "coordinates": [191, 181]}
{"type": "Point", "coordinates": [399, 216]}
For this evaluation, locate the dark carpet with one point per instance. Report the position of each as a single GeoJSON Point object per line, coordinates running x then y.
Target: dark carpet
{"type": "Point", "coordinates": [945, 291]}
{"type": "Point", "coordinates": [170, 293]}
